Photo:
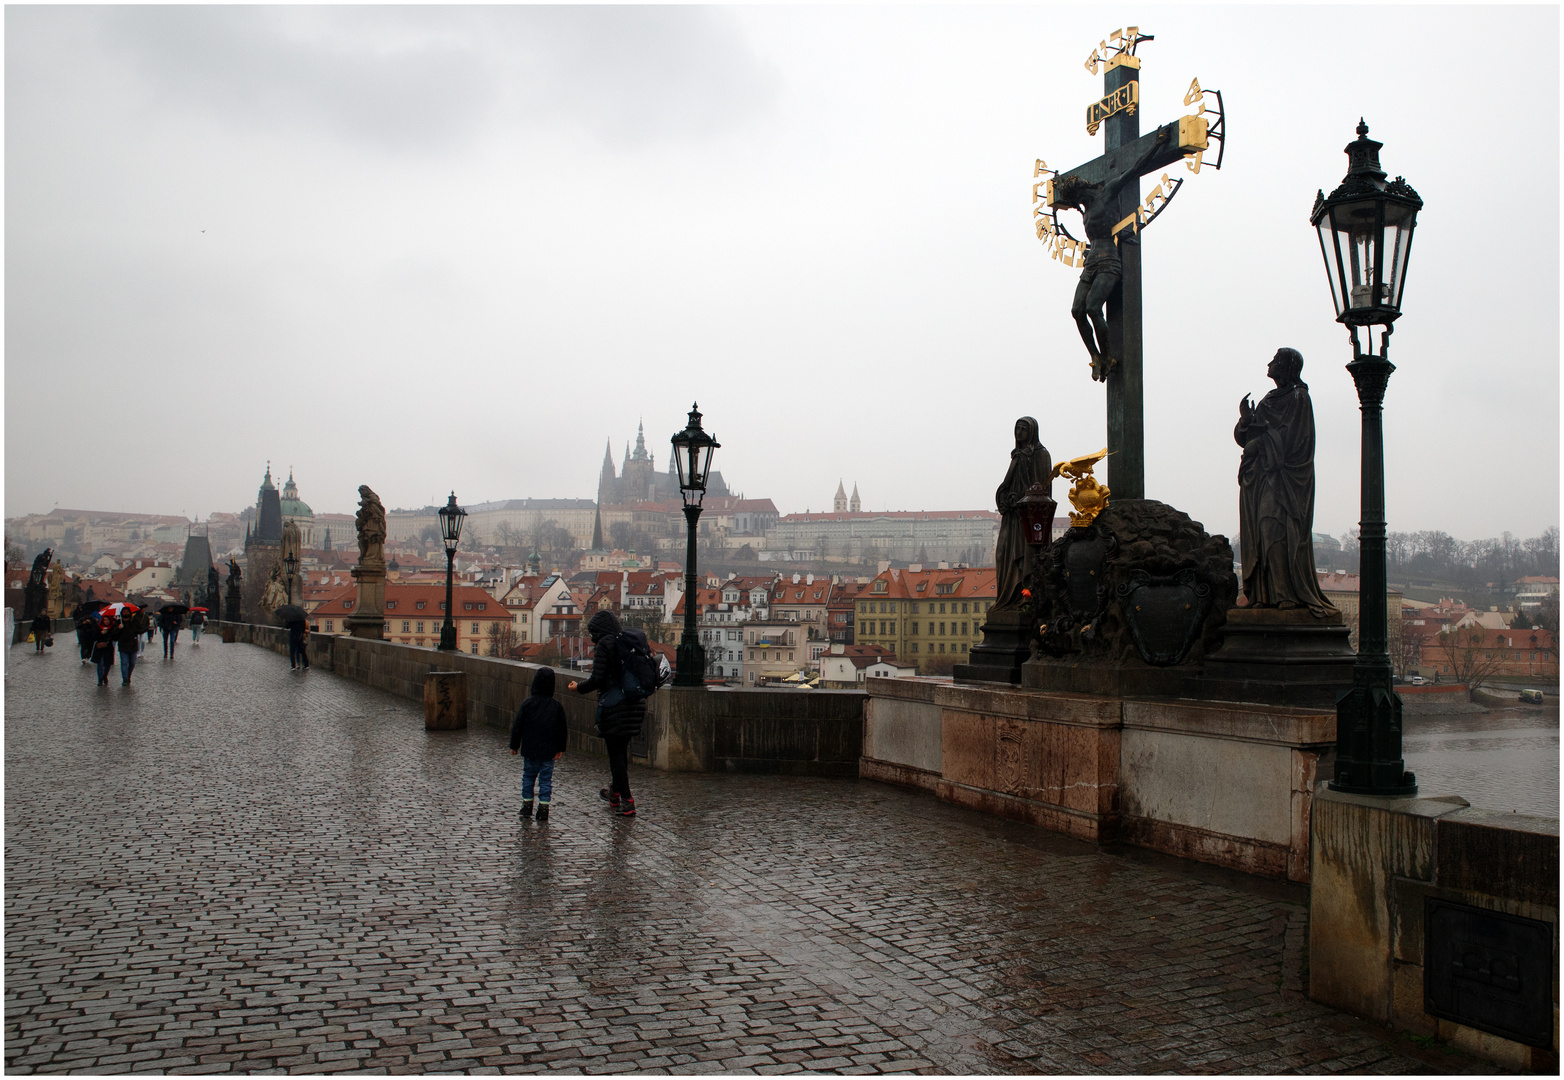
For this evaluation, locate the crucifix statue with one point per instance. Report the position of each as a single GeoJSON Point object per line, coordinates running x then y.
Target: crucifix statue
{"type": "Point", "coordinates": [1106, 190]}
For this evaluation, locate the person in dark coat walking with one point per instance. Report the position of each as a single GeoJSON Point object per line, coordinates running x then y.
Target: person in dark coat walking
{"type": "Point", "coordinates": [539, 734]}
{"type": "Point", "coordinates": [130, 633]}
{"type": "Point", "coordinates": [168, 623]}
{"type": "Point", "coordinates": [298, 632]}
{"type": "Point", "coordinates": [103, 637]}
{"type": "Point", "coordinates": [86, 636]}
{"type": "Point", "coordinates": [41, 629]}
{"type": "Point", "coordinates": [619, 717]}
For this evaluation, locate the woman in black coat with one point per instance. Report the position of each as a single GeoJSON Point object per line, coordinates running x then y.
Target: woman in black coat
{"type": "Point", "coordinates": [619, 717]}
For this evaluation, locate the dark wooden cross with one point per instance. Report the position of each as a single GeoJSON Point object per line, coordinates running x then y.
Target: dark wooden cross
{"type": "Point", "coordinates": [1125, 148]}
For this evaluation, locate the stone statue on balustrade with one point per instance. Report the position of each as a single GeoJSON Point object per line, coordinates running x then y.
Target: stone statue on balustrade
{"type": "Point", "coordinates": [1007, 631]}
{"type": "Point", "coordinates": [1276, 493]}
{"type": "Point", "coordinates": [367, 620]}
{"type": "Point", "coordinates": [276, 593]}
{"type": "Point", "coordinates": [1029, 464]}
{"type": "Point", "coordinates": [371, 524]}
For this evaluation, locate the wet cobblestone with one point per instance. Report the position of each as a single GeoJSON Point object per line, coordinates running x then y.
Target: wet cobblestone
{"type": "Point", "coordinates": [232, 867]}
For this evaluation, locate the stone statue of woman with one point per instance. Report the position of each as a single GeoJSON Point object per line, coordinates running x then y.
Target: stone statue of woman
{"type": "Point", "coordinates": [1276, 493]}
{"type": "Point", "coordinates": [1029, 464]}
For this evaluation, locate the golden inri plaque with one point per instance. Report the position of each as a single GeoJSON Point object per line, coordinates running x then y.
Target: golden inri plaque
{"type": "Point", "coordinates": [1123, 100]}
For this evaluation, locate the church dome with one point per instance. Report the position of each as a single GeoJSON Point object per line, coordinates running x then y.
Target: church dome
{"type": "Point", "coordinates": [292, 505]}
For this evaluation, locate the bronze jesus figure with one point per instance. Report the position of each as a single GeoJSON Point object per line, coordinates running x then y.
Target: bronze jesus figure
{"type": "Point", "coordinates": [1097, 203]}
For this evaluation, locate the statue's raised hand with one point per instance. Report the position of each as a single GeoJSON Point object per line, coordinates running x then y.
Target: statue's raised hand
{"type": "Point", "coordinates": [1246, 407]}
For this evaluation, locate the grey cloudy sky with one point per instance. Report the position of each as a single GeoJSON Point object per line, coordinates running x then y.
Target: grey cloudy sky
{"type": "Point", "coordinates": [426, 248]}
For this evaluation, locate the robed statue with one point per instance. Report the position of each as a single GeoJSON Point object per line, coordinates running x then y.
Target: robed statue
{"type": "Point", "coordinates": [371, 524]}
{"type": "Point", "coordinates": [1029, 464]}
{"type": "Point", "coordinates": [276, 593]}
{"type": "Point", "coordinates": [1276, 493]}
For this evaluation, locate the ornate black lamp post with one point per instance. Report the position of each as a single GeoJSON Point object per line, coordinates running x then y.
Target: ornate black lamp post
{"type": "Point", "coordinates": [290, 563]}
{"type": "Point", "coordinates": [451, 517]}
{"type": "Point", "coordinates": [692, 452]}
{"type": "Point", "coordinates": [1365, 232]}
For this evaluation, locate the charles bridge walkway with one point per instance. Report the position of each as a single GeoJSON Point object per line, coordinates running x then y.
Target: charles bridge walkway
{"type": "Point", "coordinates": [233, 867]}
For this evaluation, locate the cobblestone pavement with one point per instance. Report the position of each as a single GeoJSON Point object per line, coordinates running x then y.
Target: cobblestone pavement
{"type": "Point", "coordinates": [234, 867]}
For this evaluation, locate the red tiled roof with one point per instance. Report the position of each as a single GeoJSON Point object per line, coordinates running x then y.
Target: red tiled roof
{"type": "Point", "coordinates": [959, 584]}
{"type": "Point", "coordinates": [403, 598]}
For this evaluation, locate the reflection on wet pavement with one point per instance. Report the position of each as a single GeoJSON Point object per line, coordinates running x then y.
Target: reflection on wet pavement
{"type": "Point", "coordinates": [1506, 759]}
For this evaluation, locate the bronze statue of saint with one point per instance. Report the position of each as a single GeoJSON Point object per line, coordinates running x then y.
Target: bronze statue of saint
{"type": "Point", "coordinates": [1029, 464]}
{"type": "Point", "coordinates": [1276, 493]}
{"type": "Point", "coordinates": [1098, 204]}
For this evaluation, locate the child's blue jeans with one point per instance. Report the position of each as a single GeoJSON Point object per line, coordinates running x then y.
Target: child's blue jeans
{"type": "Point", "coordinates": [541, 771]}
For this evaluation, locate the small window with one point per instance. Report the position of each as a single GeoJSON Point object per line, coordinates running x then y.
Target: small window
{"type": "Point", "coordinates": [390, 605]}
{"type": "Point", "coordinates": [482, 606]}
{"type": "Point", "coordinates": [475, 628]}
{"type": "Point", "coordinates": [405, 630]}
{"type": "Point", "coordinates": [419, 605]}
{"type": "Point", "coordinates": [466, 605]}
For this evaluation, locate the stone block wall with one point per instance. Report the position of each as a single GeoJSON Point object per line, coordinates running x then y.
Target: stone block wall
{"type": "Point", "coordinates": [813, 732]}
{"type": "Point", "coordinates": [1220, 782]}
{"type": "Point", "coordinates": [1377, 863]}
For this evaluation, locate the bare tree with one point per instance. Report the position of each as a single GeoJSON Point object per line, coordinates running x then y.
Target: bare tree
{"type": "Point", "coordinates": [1407, 652]}
{"type": "Point", "coordinates": [552, 542]}
{"type": "Point", "coordinates": [507, 535]}
{"type": "Point", "coordinates": [1462, 651]}
{"type": "Point", "coordinates": [502, 638]}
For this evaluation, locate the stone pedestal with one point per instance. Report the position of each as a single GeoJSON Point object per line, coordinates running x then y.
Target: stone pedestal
{"type": "Point", "coordinates": [445, 700]}
{"type": "Point", "coordinates": [1387, 873]}
{"type": "Point", "coordinates": [1006, 646]}
{"type": "Point", "coordinates": [369, 619]}
{"type": "Point", "coordinates": [1289, 657]}
{"type": "Point", "coordinates": [1224, 783]}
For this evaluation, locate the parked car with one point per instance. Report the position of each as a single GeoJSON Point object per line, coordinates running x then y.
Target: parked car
{"type": "Point", "coordinates": [1532, 696]}
{"type": "Point", "coordinates": [1418, 680]}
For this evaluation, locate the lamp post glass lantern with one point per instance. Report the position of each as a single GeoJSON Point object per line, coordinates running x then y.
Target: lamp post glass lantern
{"type": "Point", "coordinates": [290, 564]}
{"type": "Point", "coordinates": [692, 453]}
{"type": "Point", "coordinates": [451, 518]}
{"type": "Point", "coordinates": [1365, 229]}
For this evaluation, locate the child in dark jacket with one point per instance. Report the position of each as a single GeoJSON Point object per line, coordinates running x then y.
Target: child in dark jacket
{"type": "Point", "coordinates": [539, 734]}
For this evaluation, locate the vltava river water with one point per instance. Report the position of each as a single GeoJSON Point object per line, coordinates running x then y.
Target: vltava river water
{"type": "Point", "coordinates": [1507, 759]}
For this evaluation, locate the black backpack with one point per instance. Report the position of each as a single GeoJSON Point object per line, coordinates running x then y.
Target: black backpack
{"type": "Point", "coordinates": [639, 675]}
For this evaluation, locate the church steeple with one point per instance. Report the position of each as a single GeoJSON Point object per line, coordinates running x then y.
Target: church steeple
{"type": "Point", "coordinates": [597, 529]}
{"type": "Point", "coordinates": [640, 442]}
{"type": "Point", "coordinates": [839, 504]}
{"type": "Point", "coordinates": [856, 504]}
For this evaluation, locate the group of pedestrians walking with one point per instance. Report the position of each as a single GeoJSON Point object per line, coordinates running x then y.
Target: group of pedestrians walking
{"type": "Point", "coordinates": [100, 635]}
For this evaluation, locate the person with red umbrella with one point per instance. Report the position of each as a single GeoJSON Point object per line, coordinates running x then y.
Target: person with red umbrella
{"type": "Point", "coordinates": [197, 624]}
{"type": "Point", "coordinates": [129, 624]}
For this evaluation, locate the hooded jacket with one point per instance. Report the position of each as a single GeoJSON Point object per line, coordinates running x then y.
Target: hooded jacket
{"type": "Point", "coordinates": [539, 730]}
{"type": "Point", "coordinates": [616, 715]}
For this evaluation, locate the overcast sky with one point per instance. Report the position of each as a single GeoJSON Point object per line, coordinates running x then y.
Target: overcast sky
{"type": "Point", "coordinates": [436, 248]}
